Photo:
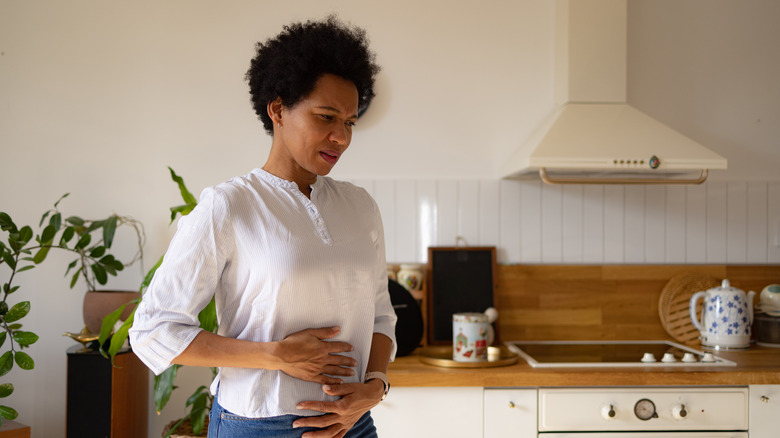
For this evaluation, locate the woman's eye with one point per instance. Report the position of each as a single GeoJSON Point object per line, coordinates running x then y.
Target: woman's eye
{"type": "Point", "coordinates": [326, 117]}
{"type": "Point", "coordinates": [350, 124]}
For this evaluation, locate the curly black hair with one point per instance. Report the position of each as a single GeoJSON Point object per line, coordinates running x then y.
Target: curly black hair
{"type": "Point", "coordinates": [289, 65]}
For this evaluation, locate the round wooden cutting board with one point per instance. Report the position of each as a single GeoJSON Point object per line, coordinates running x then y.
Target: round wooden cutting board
{"type": "Point", "coordinates": [674, 303]}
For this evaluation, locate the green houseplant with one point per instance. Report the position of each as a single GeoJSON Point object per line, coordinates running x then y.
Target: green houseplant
{"type": "Point", "coordinates": [200, 402]}
{"type": "Point", "coordinates": [89, 241]}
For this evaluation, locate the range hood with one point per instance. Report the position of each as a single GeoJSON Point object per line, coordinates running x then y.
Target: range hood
{"type": "Point", "coordinates": [594, 136]}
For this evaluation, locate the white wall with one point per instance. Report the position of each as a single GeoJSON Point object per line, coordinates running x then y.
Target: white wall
{"type": "Point", "coordinates": [529, 222]}
{"type": "Point", "coordinates": [97, 98]}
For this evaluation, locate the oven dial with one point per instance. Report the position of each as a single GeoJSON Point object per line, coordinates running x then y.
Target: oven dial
{"type": "Point", "coordinates": [679, 412]}
{"type": "Point", "coordinates": [608, 412]}
{"type": "Point", "coordinates": [645, 409]}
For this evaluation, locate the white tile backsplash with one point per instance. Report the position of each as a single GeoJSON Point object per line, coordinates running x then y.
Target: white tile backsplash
{"type": "Point", "coordinates": [530, 222]}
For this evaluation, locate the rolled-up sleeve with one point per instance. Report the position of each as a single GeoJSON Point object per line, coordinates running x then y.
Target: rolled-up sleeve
{"type": "Point", "coordinates": [385, 317]}
{"type": "Point", "coordinates": [166, 320]}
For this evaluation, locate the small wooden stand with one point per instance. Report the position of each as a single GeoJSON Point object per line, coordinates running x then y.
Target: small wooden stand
{"type": "Point", "coordinates": [12, 429]}
{"type": "Point", "coordinates": [104, 400]}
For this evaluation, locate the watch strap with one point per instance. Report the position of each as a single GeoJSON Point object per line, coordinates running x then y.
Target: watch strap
{"type": "Point", "coordinates": [371, 375]}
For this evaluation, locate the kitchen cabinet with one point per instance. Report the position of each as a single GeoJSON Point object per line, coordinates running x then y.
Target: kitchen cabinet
{"type": "Point", "coordinates": [510, 413]}
{"type": "Point", "coordinates": [764, 411]}
{"type": "Point", "coordinates": [411, 412]}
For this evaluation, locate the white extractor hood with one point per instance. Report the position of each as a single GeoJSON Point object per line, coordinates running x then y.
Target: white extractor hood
{"type": "Point", "coordinates": [594, 136]}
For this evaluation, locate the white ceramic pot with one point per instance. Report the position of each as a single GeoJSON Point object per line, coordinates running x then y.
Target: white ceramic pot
{"type": "Point", "coordinates": [727, 315]}
{"type": "Point", "coordinates": [770, 300]}
{"type": "Point", "coordinates": [411, 277]}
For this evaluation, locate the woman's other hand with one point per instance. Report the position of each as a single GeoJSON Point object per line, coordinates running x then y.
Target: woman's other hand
{"type": "Point", "coordinates": [309, 356]}
{"type": "Point", "coordinates": [340, 415]}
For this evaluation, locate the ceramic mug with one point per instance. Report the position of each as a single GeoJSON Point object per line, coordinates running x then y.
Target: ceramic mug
{"type": "Point", "coordinates": [469, 337]}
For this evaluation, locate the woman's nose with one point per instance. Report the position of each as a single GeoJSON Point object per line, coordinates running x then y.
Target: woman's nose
{"type": "Point", "coordinates": [340, 135]}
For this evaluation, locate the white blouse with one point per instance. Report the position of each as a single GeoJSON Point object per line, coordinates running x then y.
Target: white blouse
{"type": "Point", "coordinates": [278, 263]}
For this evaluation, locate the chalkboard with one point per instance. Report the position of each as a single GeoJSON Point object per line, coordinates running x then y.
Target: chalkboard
{"type": "Point", "coordinates": [460, 279]}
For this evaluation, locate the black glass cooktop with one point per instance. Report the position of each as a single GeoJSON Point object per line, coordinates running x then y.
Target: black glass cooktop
{"type": "Point", "coordinates": [613, 354]}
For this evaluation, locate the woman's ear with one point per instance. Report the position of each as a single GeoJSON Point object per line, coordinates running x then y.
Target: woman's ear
{"type": "Point", "coordinates": [274, 109]}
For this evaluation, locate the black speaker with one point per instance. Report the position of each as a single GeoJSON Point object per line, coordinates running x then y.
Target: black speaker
{"type": "Point", "coordinates": [409, 328]}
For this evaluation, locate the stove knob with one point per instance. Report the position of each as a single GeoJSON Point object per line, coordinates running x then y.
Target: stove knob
{"type": "Point", "coordinates": [679, 412]}
{"type": "Point", "coordinates": [669, 358]}
{"type": "Point", "coordinates": [648, 358]}
{"type": "Point", "coordinates": [608, 412]}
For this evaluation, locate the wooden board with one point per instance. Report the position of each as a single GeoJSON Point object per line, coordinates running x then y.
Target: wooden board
{"type": "Point", "coordinates": [592, 302]}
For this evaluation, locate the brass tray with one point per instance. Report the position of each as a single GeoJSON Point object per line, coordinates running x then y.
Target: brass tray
{"type": "Point", "coordinates": [442, 357]}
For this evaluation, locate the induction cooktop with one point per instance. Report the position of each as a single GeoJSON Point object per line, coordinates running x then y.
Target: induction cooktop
{"type": "Point", "coordinates": [550, 354]}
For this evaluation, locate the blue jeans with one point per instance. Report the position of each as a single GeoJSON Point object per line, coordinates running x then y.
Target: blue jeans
{"type": "Point", "coordinates": [224, 424]}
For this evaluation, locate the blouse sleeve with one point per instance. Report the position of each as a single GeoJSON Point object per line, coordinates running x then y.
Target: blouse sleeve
{"type": "Point", "coordinates": [166, 320]}
{"type": "Point", "coordinates": [384, 318]}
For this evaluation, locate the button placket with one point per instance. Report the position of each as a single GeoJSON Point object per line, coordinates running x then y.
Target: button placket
{"type": "Point", "coordinates": [317, 220]}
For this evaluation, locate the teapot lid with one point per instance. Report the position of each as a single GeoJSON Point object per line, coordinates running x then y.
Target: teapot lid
{"type": "Point", "coordinates": [726, 286]}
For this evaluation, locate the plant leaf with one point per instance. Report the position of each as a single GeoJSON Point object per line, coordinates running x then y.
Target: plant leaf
{"type": "Point", "coordinates": [17, 312]}
{"type": "Point", "coordinates": [8, 258]}
{"type": "Point", "coordinates": [25, 268]}
{"type": "Point", "coordinates": [185, 193]}
{"type": "Point", "coordinates": [100, 274]}
{"type": "Point", "coordinates": [67, 235]}
{"type": "Point", "coordinates": [75, 277]}
{"type": "Point", "coordinates": [61, 198]}
{"type": "Point", "coordinates": [199, 410]}
{"type": "Point", "coordinates": [97, 251]}
{"type": "Point", "coordinates": [163, 386]}
{"type": "Point", "coordinates": [6, 389]}
{"type": "Point", "coordinates": [40, 256]}
{"type": "Point", "coordinates": [8, 413]}
{"type": "Point", "coordinates": [71, 266]}
{"type": "Point", "coordinates": [109, 228]}
{"type": "Point", "coordinates": [24, 360]}
{"type": "Point", "coordinates": [2, 338]}
{"type": "Point", "coordinates": [208, 316]}
{"type": "Point", "coordinates": [25, 339]}
{"type": "Point", "coordinates": [56, 221]}
{"type": "Point", "coordinates": [48, 235]}
{"type": "Point", "coordinates": [75, 220]}
{"type": "Point", "coordinates": [6, 362]}
{"type": "Point", "coordinates": [107, 326]}
{"type": "Point", "coordinates": [184, 210]}
{"type": "Point", "coordinates": [150, 274]}
{"type": "Point", "coordinates": [25, 234]}
{"type": "Point", "coordinates": [84, 241]}
{"type": "Point", "coordinates": [6, 223]}
{"type": "Point", "coordinates": [118, 340]}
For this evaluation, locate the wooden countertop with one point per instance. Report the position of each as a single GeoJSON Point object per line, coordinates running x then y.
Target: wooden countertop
{"type": "Point", "coordinates": [758, 365]}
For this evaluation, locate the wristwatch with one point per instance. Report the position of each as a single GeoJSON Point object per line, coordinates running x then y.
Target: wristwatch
{"type": "Point", "coordinates": [371, 375]}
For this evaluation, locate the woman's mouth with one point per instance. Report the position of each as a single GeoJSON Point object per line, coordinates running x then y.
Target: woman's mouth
{"type": "Point", "coordinates": [330, 157]}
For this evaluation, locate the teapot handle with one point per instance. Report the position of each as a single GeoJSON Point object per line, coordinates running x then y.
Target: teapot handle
{"type": "Point", "coordinates": [696, 322]}
{"type": "Point", "coordinates": [750, 299]}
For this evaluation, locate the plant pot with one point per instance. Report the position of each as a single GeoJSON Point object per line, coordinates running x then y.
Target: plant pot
{"type": "Point", "coordinates": [185, 429]}
{"type": "Point", "coordinates": [98, 304]}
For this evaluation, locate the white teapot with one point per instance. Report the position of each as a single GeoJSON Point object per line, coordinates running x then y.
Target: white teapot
{"type": "Point", "coordinates": [726, 316]}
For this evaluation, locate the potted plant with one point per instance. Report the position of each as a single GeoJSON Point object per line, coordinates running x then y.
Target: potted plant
{"type": "Point", "coordinates": [89, 240]}
{"type": "Point", "coordinates": [200, 402]}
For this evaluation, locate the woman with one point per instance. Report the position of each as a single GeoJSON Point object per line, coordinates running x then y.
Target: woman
{"type": "Point", "coordinates": [295, 260]}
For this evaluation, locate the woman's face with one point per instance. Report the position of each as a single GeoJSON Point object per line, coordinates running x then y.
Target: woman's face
{"type": "Point", "coordinates": [318, 129]}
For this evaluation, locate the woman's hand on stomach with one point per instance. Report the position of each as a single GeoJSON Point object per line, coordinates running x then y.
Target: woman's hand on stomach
{"type": "Point", "coordinates": [307, 355]}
